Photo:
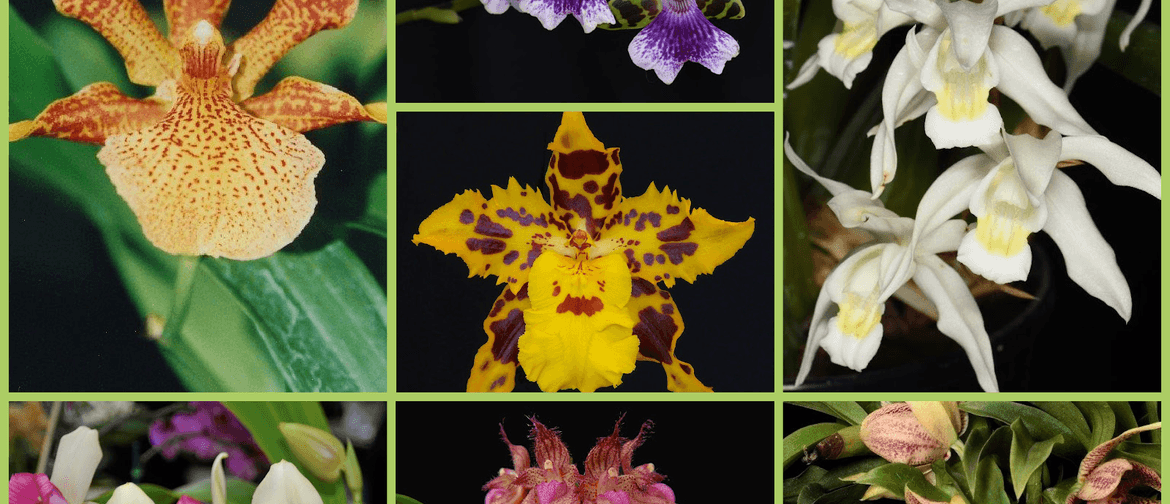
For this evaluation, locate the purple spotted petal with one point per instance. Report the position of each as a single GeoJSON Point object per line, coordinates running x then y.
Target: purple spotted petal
{"type": "Point", "coordinates": [551, 12]}
{"type": "Point", "coordinates": [681, 33]}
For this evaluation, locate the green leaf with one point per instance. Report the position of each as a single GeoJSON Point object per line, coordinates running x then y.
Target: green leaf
{"type": "Point", "coordinates": [804, 437]}
{"type": "Point", "coordinates": [1039, 424]}
{"type": "Point", "coordinates": [634, 14]}
{"type": "Point", "coordinates": [997, 447]}
{"type": "Point", "coordinates": [1059, 494]}
{"type": "Point", "coordinates": [794, 486]}
{"type": "Point", "coordinates": [374, 220]}
{"type": "Point", "coordinates": [320, 315]}
{"type": "Point", "coordinates": [1027, 456]}
{"type": "Point", "coordinates": [1071, 417]}
{"type": "Point", "coordinates": [848, 411]}
{"type": "Point", "coordinates": [157, 494]}
{"type": "Point", "coordinates": [86, 56]}
{"type": "Point", "coordinates": [402, 499]}
{"type": "Point", "coordinates": [1141, 61]}
{"type": "Point", "coordinates": [1124, 415]}
{"type": "Point", "coordinates": [262, 419]}
{"type": "Point", "coordinates": [358, 50]}
{"type": "Point", "coordinates": [988, 488]}
{"type": "Point", "coordinates": [1147, 454]}
{"type": "Point", "coordinates": [1102, 422]}
{"type": "Point", "coordinates": [816, 494]}
{"type": "Point", "coordinates": [238, 491]}
{"type": "Point", "coordinates": [897, 477]}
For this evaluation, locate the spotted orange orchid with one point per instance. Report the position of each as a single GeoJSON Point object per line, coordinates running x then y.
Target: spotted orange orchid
{"type": "Point", "coordinates": [581, 301]}
{"type": "Point", "coordinates": [207, 168]}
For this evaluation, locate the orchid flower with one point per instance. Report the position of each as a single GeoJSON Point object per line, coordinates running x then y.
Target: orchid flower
{"type": "Point", "coordinates": [915, 433]}
{"type": "Point", "coordinates": [284, 484]}
{"type": "Point", "coordinates": [946, 71]}
{"type": "Point", "coordinates": [78, 455]}
{"type": "Point", "coordinates": [673, 31]}
{"type": "Point", "coordinates": [1016, 190]}
{"type": "Point", "coordinates": [1111, 481]}
{"type": "Point", "coordinates": [1077, 27]}
{"type": "Point", "coordinates": [581, 301]}
{"type": "Point", "coordinates": [859, 286]}
{"type": "Point", "coordinates": [207, 168]}
{"type": "Point", "coordinates": [849, 49]}
{"type": "Point", "coordinates": [609, 478]}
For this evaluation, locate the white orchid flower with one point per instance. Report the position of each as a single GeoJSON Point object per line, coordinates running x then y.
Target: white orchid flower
{"type": "Point", "coordinates": [858, 288]}
{"type": "Point", "coordinates": [129, 493]}
{"type": "Point", "coordinates": [78, 456]}
{"type": "Point", "coordinates": [947, 69]}
{"type": "Point", "coordinates": [849, 49]}
{"type": "Point", "coordinates": [1077, 27]}
{"type": "Point", "coordinates": [1019, 192]}
{"type": "Point", "coordinates": [284, 484]}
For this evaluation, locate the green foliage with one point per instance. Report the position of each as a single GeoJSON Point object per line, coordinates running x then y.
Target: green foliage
{"type": "Point", "coordinates": [262, 419]}
{"type": "Point", "coordinates": [634, 14]}
{"type": "Point", "coordinates": [848, 411]}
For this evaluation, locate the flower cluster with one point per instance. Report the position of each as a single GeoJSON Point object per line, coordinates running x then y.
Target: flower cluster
{"type": "Point", "coordinates": [609, 476]}
{"type": "Point", "coordinates": [955, 55]}
{"type": "Point", "coordinates": [672, 31]}
{"type": "Point", "coordinates": [209, 430]}
{"type": "Point", "coordinates": [582, 300]}
{"type": "Point", "coordinates": [207, 168]}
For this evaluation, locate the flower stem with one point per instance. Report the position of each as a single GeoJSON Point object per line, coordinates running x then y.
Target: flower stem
{"type": "Point", "coordinates": [444, 12]}
{"type": "Point", "coordinates": [184, 283]}
{"type": "Point", "coordinates": [47, 444]}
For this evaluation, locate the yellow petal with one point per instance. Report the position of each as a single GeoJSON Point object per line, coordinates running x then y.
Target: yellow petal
{"type": "Point", "coordinates": [662, 239]}
{"type": "Point", "coordinates": [209, 178]}
{"type": "Point", "coordinates": [578, 332]}
{"type": "Point", "coordinates": [494, 369]}
{"type": "Point", "coordinates": [583, 176]}
{"type": "Point", "coordinates": [150, 58]}
{"type": "Point", "coordinates": [302, 105]}
{"type": "Point", "coordinates": [288, 23]}
{"type": "Point", "coordinates": [658, 325]}
{"type": "Point", "coordinates": [90, 115]}
{"type": "Point", "coordinates": [183, 15]}
{"type": "Point", "coordinates": [502, 236]}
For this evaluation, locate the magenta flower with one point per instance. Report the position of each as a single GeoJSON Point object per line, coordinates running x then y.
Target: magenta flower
{"type": "Point", "coordinates": [678, 34]}
{"type": "Point", "coordinates": [206, 432]}
{"type": "Point", "coordinates": [29, 488]}
{"type": "Point", "coordinates": [609, 476]}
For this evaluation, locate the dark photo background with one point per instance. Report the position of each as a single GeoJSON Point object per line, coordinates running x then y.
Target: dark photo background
{"type": "Point", "coordinates": [511, 58]}
{"type": "Point", "coordinates": [709, 451]}
{"type": "Point", "coordinates": [721, 162]}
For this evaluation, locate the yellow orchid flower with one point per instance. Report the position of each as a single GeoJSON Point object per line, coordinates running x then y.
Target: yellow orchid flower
{"type": "Point", "coordinates": [207, 168]}
{"type": "Point", "coordinates": [581, 302]}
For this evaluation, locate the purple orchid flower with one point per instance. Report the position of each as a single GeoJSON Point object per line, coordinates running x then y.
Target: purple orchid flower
{"type": "Point", "coordinates": [681, 33]}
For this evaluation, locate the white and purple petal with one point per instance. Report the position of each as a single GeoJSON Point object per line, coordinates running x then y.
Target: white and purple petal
{"type": "Point", "coordinates": [551, 12]}
{"type": "Point", "coordinates": [681, 33]}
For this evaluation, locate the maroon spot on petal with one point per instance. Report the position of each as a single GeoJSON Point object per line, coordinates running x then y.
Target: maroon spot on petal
{"type": "Point", "coordinates": [632, 263]}
{"type": "Point", "coordinates": [667, 308]}
{"type": "Point", "coordinates": [640, 286]}
{"type": "Point", "coordinates": [487, 246]}
{"type": "Point", "coordinates": [523, 292]}
{"type": "Point", "coordinates": [678, 232]}
{"type": "Point", "coordinates": [498, 383]}
{"type": "Point", "coordinates": [676, 251]}
{"type": "Point", "coordinates": [524, 193]}
{"type": "Point", "coordinates": [579, 163]}
{"type": "Point", "coordinates": [626, 220]}
{"type": "Point", "coordinates": [484, 206]}
{"type": "Point", "coordinates": [497, 307]}
{"type": "Point", "coordinates": [686, 369]}
{"type": "Point", "coordinates": [655, 332]}
{"type": "Point", "coordinates": [667, 275]}
{"type": "Point", "coordinates": [590, 187]}
{"type": "Point", "coordinates": [486, 227]}
{"type": "Point", "coordinates": [609, 193]}
{"type": "Point", "coordinates": [507, 332]}
{"type": "Point", "coordinates": [648, 258]}
{"type": "Point", "coordinates": [653, 217]}
{"type": "Point", "coordinates": [580, 305]}
{"type": "Point", "coordinates": [511, 256]}
{"type": "Point", "coordinates": [556, 291]}
{"type": "Point", "coordinates": [671, 209]}
{"type": "Point", "coordinates": [522, 217]}
{"type": "Point", "coordinates": [552, 162]}
{"type": "Point", "coordinates": [484, 366]}
{"type": "Point", "coordinates": [664, 294]}
{"type": "Point", "coordinates": [661, 259]}
{"type": "Point", "coordinates": [614, 156]}
{"type": "Point", "coordinates": [466, 217]}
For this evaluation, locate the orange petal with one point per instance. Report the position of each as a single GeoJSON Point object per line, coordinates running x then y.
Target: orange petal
{"type": "Point", "coordinates": [92, 114]}
{"type": "Point", "coordinates": [658, 325]}
{"type": "Point", "coordinates": [209, 178]}
{"type": "Point", "coordinates": [183, 15]}
{"type": "Point", "coordinates": [495, 363]}
{"type": "Point", "coordinates": [303, 105]}
{"type": "Point", "coordinates": [288, 23]}
{"type": "Point", "coordinates": [150, 58]}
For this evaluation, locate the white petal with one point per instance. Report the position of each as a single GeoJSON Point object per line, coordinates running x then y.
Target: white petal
{"type": "Point", "coordinates": [1138, 16]}
{"type": "Point", "coordinates": [850, 351]}
{"type": "Point", "coordinates": [497, 6]}
{"type": "Point", "coordinates": [1006, 6]}
{"type": "Point", "coordinates": [129, 493]}
{"type": "Point", "coordinates": [959, 316]}
{"type": "Point", "coordinates": [950, 193]}
{"type": "Point", "coordinates": [1086, 46]}
{"type": "Point", "coordinates": [944, 238]}
{"type": "Point", "coordinates": [1023, 79]}
{"type": "Point", "coordinates": [1090, 260]}
{"type": "Point", "coordinates": [807, 71]}
{"type": "Point", "coordinates": [1119, 165]}
{"type": "Point", "coordinates": [853, 207]}
{"type": "Point", "coordinates": [901, 88]}
{"type": "Point", "coordinates": [1047, 32]}
{"type": "Point", "coordinates": [817, 331]}
{"type": "Point", "coordinates": [1035, 159]}
{"type": "Point", "coordinates": [947, 134]}
{"type": "Point", "coordinates": [218, 480]}
{"type": "Point", "coordinates": [842, 67]}
{"type": "Point", "coordinates": [78, 456]}
{"type": "Point", "coordinates": [970, 26]}
{"type": "Point", "coordinates": [923, 11]}
{"type": "Point", "coordinates": [997, 268]}
{"type": "Point", "coordinates": [284, 484]}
